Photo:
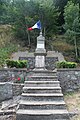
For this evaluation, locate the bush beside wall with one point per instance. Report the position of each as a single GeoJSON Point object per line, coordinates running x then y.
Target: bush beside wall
{"type": "Point", "coordinates": [65, 64]}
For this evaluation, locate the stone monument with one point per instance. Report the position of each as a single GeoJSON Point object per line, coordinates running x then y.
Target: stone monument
{"type": "Point", "coordinates": [42, 98]}
{"type": "Point", "coordinates": [40, 53]}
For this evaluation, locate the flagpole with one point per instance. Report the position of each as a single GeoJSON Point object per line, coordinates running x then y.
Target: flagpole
{"type": "Point", "coordinates": [44, 32]}
{"type": "Point", "coordinates": [28, 36]}
{"type": "Point", "coordinates": [41, 29]}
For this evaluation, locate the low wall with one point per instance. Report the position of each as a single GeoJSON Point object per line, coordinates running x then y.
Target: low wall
{"type": "Point", "coordinates": [6, 91]}
{"type": "Point", "coordinates": [69, 80]}
{"type": "Point", "coordinates": [49, 62]}
{"type": "Point", "coordinates": [17, 89]}
{"type": "Point", "coordinates": [11, 75]}
{"type": "Point", "coordinates": [8, 85]}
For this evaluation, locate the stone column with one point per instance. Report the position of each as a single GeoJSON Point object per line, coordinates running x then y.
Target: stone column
{"type": "Point", "coordinates": [40, 52]}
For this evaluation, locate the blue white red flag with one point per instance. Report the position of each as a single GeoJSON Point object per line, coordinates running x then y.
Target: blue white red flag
{"type": "Point", "coordinates": [37, 25]}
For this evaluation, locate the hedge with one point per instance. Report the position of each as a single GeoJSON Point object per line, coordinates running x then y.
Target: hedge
{"type": "Point", "coordinates": [17, 63]}
{"type": "Point", "coordinates": [65, 64]}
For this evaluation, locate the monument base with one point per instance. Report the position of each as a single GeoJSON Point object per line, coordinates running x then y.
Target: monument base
{"type": "Point", "coordinates": [39, 69]}
{"type": "Point", "coordinates": [40, 51]}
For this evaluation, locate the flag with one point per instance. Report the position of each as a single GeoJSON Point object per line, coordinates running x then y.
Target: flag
{"type": "Point", "coordinates": [37, 25]}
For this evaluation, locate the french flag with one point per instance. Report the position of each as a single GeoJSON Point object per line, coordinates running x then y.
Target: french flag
{"type": "Point", "coordinates": [37, 25]}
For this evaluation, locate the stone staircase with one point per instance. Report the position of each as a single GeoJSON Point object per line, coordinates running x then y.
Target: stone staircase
{"type": "Point", "coordinates": [42, 98]}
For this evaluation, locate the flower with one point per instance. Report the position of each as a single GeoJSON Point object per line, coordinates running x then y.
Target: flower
{"type": "Point", "coordinates": [19, 79]}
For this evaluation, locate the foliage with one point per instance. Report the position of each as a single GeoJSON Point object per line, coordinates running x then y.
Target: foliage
{"type": "Point", "coordinates": [72, 25]}
{"type": "Point", "coordinates": [71, 17]}
{"type": "Point", "coordinates": [6, 51]}
{"type": "Point", "coordinates": [60, 3]}
{"type": "Point", "coordinates": [20, 79]}
{"type": "Point", "coordinates": [17, 64]}
{"type": "Point", "coordinates": [23, 14]}
{"type": "Point", "coordinates": [62, 46]}
{"type": "Point", "coordinates": [65, 64]}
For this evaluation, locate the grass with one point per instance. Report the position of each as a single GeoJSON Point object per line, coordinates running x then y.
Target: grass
{"type": "Point", "coordinates": [6, 51]}
{"type": "Point", "coordinates": [8, 43]}
{"type": "Point", "coordinates": [62, 46]}
{"type": "Point", "coordinates": [72, 100]}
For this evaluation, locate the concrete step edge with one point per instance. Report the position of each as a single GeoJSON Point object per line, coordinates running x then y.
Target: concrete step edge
{"type": "Point", "coordinates": [42, 82]}
{"type": "Point", "coordinates": [42, 95]}
{"type": "Point", "coordinates": [42, 88]}
{"type": "Point", "coordinates": [42, 112]}
{"type": "Point", "coordinates": [43, 76]}
{"type": "Point", "coordinates": [42, 102]}
{"type": "Point", "coordinates": [46, 71]}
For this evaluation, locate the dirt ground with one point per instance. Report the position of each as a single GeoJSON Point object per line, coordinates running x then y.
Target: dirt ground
{"type": "Point", "coordinates": [72, 100]}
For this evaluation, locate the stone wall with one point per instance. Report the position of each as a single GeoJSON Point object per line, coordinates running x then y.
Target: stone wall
{"type": "Point", "coordinates": [17, 89]}
{"type": "Point", "coordinates": [11, 75]}
{"type": "Point", "coordinates": [8, 82]}
{"type": "Point", "coordinates": [69, 80]}
{"type": "Point", "coordinates": [6, 91]}
{"type": "Point", "coordinates": [50, 62]}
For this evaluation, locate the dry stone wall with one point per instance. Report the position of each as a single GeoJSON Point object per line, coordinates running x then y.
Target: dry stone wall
{"type": "Point", "coordinates": [69, 80]}
{"type": "Point", "coordinates": [50, 62]}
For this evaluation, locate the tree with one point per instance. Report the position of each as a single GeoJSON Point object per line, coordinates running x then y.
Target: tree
{"type": "Point", "coordinates": [71, 17]}
{"type": "Point", "coordinates": [60, 4]}
{"type": "Point", "coordinates": [48, 15]}
{"type": "Point", "coordinates": [22, 14]}
{"type": "Point", "coordinates": [33, 10]}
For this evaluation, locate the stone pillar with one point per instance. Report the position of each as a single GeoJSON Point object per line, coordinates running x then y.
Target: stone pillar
{"type": "Point", "coordinates": [40, 52]}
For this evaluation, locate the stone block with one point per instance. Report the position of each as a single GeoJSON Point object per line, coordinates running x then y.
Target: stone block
{"type": "Point", "coordinates": [5, 91]}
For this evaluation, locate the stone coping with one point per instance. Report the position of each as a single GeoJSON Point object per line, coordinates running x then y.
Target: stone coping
{"type": "Point", "coordinates": [68, 69]}
{"type": "Point", "coordinates": [13, 69]}
{"type": "Point", "coordinates": [25, 69]}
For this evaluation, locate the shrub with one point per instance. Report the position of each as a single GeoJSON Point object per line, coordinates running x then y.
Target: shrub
{"type": "Point", "coordinates": [6, 51]}
{"type": "Point", "coordinates": [17, 64]}
{"type": "Point", "coordinates": [20, 79]}
{"type": "Point", "coordinates": [65, 64]}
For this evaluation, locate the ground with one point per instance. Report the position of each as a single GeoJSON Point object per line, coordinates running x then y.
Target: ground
{"type": "Point", "coordinates": [72, 100]}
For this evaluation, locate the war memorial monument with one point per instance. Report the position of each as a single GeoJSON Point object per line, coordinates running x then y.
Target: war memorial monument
{"type": "Point", "coordinates": [42, 97]}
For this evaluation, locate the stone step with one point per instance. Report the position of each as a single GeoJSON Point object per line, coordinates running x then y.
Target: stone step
{"type": "Point", "coordinates": [41, 78]}
{"type": "Point", "coordinates": [42, 83]}
{"type": "Point", "coordinates": [42, 114]}
{"type": "Point", "coordinates": [42, 105]}
{"type": "Point", "coordinates": [44, 74]}
{"type": "Point", "coordinates": [42, 97]}
{"type": "Point", "coordinates": [48, 77]}
{"type": "Point", "coordinates": [42, 89]}
{"type": "Point", "coordinates": [45, 71]}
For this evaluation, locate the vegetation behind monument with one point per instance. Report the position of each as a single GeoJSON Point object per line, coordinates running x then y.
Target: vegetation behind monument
{"type": "Point", "coordinates": [58, 17]}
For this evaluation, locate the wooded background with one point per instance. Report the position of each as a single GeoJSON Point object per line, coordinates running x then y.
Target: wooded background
{"type": "Point", "coordinates": [58, 17]}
